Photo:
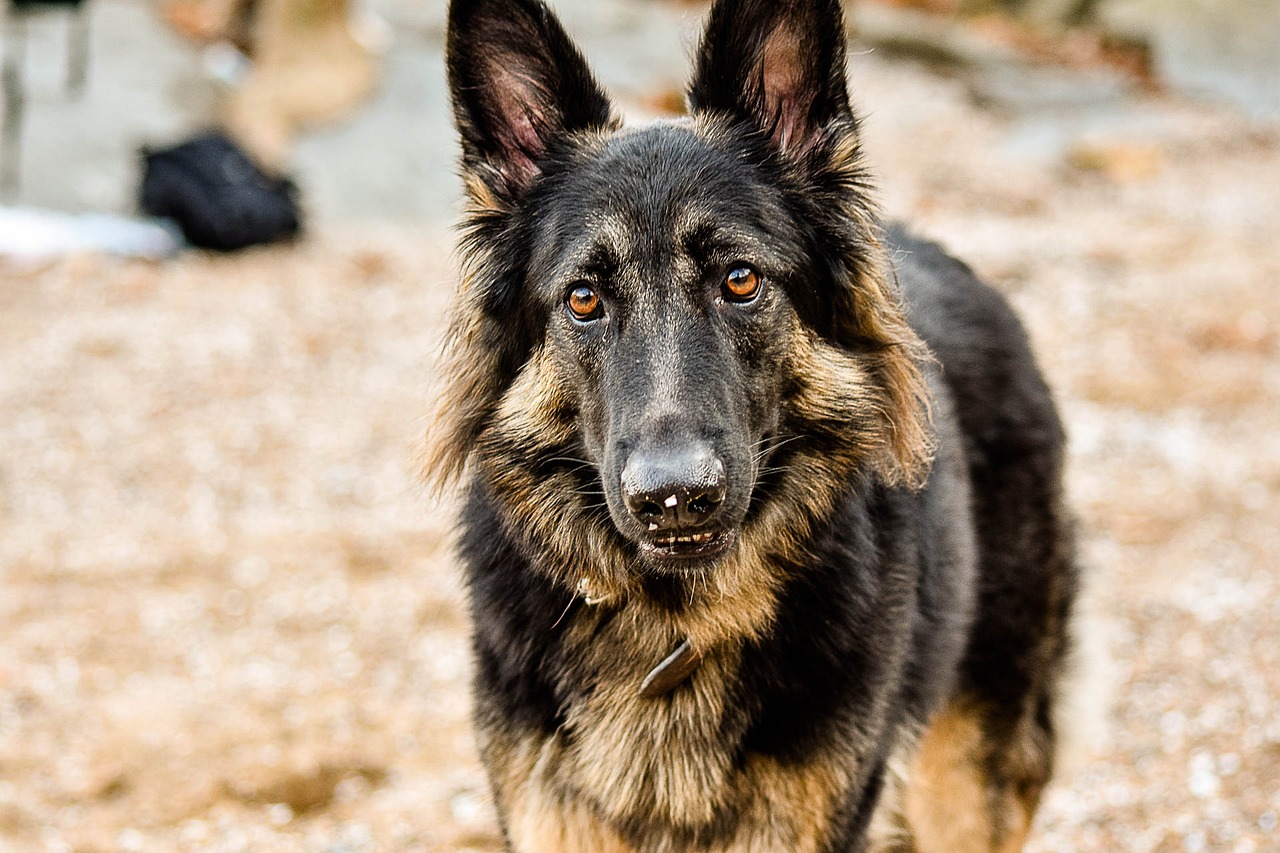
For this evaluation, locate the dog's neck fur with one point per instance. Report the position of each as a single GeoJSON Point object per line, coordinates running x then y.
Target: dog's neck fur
{"type": "Point", "coordinates": [615, 758]}
{"type": "Point", "coordinates": [671, 671]}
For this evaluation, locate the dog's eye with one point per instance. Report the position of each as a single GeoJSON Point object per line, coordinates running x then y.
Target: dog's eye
{"type": "Point", "coordinates": [584, 303]}
{"type": "Point", "coordinates": [742, 284]}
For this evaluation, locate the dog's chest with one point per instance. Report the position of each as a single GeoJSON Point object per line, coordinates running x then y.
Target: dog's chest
{"type": "Point", "coordinates": [667, 769]}
{"type": "Point", "coordinates": [667, 757]}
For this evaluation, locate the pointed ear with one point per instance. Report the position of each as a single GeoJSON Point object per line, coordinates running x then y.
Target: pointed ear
{"type": "Point", "coordinates": [780, 65]}
{"type": "Point", "coordinates": [518, 83]}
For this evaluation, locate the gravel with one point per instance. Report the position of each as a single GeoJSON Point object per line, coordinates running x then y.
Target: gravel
{"type": "Point", "coordinates": [231, 621]}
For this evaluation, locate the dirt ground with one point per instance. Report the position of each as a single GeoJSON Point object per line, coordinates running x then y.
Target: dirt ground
{"type": "Point", "coordinates": [231, 622]}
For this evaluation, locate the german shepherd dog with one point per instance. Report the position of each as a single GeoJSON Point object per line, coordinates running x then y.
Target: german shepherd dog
{"type": "Point", "coordinates": [763, 531]}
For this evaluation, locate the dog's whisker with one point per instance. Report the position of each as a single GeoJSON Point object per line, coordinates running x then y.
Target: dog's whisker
{"type": "Point", "coordinates": [569, 459]}
{"type": "Point", "coordinates": [773, 447]}
{"type": "Point", "coordinates": [776, 439]}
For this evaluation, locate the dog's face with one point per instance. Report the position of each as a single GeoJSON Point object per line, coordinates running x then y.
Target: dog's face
{"type": "Point", "coordinates": [661, 265]}
{"type": "Point", "coordinates": [678, 321]}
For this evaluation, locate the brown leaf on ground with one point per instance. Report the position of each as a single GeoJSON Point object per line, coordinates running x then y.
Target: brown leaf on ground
{"type": "Point", "coordinates": [1120, 162]}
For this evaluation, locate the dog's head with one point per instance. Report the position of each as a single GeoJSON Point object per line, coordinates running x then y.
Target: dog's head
{"type": "Point", "coordinates": [678, 341]}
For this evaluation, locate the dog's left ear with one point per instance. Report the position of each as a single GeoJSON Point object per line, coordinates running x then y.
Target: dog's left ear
{"type": "Point", "coordinates": [780, 65]}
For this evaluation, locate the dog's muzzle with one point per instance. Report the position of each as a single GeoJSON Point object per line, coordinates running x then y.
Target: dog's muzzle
{"type": "Point", "coordinates": [675, 494]}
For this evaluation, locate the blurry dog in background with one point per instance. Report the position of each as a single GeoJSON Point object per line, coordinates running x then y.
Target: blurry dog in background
{"type": "Point", "coordinates": [763, 528]}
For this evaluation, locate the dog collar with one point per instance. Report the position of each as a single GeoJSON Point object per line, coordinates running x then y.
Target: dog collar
{"type": "Point", "coordinates": [674, 670]}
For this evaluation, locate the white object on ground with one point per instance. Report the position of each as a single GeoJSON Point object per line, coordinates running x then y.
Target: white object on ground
{"type": "Point", "coordinates": [224, 62]}
{"type": "Point", "coordinates": [31, 234]}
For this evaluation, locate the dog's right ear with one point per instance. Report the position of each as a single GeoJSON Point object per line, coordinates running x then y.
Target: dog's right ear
{"type": "Point", "coordinates": [518, 84]}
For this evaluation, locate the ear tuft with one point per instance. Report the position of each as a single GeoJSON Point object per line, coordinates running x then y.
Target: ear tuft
{"type": "Point", "coordinates": [518, 85]}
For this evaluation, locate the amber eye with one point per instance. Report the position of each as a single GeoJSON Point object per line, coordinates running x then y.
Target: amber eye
{"type": "Point", "coordinates": [584, 303]}
{"type": "Point", "coordinates": [742, 284]}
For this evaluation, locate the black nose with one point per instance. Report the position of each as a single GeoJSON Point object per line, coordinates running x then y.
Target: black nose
{"type": "Point", "coordinates": [673, 488]}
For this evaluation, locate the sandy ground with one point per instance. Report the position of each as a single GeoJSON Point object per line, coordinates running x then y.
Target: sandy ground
{"type": "Point", "coordinates": [230, 621]}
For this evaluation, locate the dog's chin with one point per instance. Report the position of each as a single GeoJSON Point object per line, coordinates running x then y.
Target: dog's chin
{"type": "Point", "coordinates": [687, 553]}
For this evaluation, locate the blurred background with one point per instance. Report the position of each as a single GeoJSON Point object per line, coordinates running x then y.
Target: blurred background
{"type": "Point", "coordinates": [230, 621]}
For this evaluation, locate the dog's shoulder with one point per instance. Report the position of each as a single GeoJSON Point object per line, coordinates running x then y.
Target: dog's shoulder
{"type": "Point", "coordinates": [986, 359]}
{"type": "Point", "coordinates": [948, 305]}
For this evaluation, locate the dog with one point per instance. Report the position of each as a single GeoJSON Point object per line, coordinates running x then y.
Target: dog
{"type": "Point", "coordinates": [763, 531]}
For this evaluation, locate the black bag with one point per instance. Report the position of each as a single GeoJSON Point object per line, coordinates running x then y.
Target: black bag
{"type": "Point", "coordinates": [43, 4]}
{"type": "Point", "coordinates": [217, 195]}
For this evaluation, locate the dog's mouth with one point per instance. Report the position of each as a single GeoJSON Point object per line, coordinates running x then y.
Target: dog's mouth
{"type": "Point", "coordinates": [688, 546]}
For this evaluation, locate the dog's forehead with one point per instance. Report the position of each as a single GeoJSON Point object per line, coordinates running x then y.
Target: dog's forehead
{"type": "Point", "coordinates": [662, 179]}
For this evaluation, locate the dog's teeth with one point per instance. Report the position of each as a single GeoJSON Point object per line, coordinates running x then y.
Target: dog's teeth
{"type": "Point", "coordinates": [652, 526]}
{"type": "Point", "coordinates": [672, 540]}
{"type": "Point", "coordinates": [670, 502]}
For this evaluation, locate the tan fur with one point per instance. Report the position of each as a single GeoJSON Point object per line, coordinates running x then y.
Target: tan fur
{"type": "Point", "coordinates": [481, 200]}
{"type": "Point", "coordinates": [620, 758]}
{"type": "Point", "coordinates": [1085, 693]}
{"type": "Point", "coordinates": [791, 806]}
{"type": "Point", "coordinates": [466, 402]}
{"type": "Point", "coordinates": [950, 803]}
{"type": "Point", "coordinates": [561, 798]}
{"type": "Point", "coordinates": [536, 818]}
{"type": "Point", "coordinates": [740, 597]}
{"type": "Point", "coordinates": [782, 807]}
{"type": "Point", "coordinates": [874, 311]}
{"type": "Point", "coordinates": [660, 759]}
{"type": "Point", "coordinates": [945, 803]}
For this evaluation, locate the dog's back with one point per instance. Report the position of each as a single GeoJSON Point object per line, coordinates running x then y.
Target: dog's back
{"type": "Point", "coordinates": [982, 765]}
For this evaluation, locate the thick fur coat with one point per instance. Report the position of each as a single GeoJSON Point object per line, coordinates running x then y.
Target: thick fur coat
{"type": "Point", "coordinates": [763, 527]}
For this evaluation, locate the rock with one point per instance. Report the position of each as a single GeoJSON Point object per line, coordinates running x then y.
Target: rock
{"type": "Point", "coordinates": [1228, 49]}
{"type": "Point", "coordinates": [1031, 89]}
{"type": "Point", "coordinates": [1050, 12]}
{"type": "Point", "coordinates": [929, 38]}
{"type": "Point", "coordinates": [1118, 161]}
{"type": "Point", "coordinates": [302, 790]}
{"type": "Point", "coordinates": [1000, 75]}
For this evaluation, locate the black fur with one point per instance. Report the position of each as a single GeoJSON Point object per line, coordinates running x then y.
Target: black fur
{"type": "Point", "coordinates": [884, 600]}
